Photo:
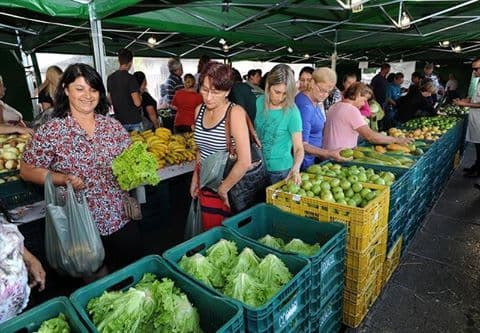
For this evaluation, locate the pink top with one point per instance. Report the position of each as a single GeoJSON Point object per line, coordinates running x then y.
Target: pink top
{"type": "Point", "coordinates": [365, 110]}
{"type": "Point", "coordinates": [340, 128]}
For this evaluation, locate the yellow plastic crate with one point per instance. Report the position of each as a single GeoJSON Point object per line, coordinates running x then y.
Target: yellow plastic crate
{"type": "Point", "coordinates": [363, 224]}
{"type": "Point", "coordinates": [356, 305]}
{"type": "Point", "coordinates": [359, 266]}
{"type": "Point", "coordinates": [392, 261]}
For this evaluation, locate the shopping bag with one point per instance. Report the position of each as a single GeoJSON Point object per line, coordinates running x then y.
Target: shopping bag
{"type": "Point", "coordinates": [72, 241]}
{"type": "Point", "coordinates": [194, 220]}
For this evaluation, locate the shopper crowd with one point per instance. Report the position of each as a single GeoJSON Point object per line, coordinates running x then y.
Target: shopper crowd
{"type": "Point", "coordinates": [294, 125]}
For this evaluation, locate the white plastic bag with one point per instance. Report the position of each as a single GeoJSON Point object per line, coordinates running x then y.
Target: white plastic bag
{"type": "Point", "coordinates": [72, 241]}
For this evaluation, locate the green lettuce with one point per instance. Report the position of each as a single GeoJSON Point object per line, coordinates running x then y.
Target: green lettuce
{"type": "Point", "coordinates": [246, 262]}
{"type": "Point", "coordinates": [272, 274]}
{"type": "Point", "coordinates": [135, 166]}
{"type": "Point", "coordinates": [298, 246]}
{"type": "Point", "coordinates": [223, 255]}
{"type": "Point", "coordinates": [273, 242]}
{"type": "Point", "coordinates": [246, 289]}
{"type": "Point", "coordinates": [55, 325]}
{"type": "Point", "coordinates": [202, 269]}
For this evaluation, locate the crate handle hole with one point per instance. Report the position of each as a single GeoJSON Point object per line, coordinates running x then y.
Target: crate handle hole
{"type": "Point", "coordinates": [122, 284]}
{"type": "Point", "coordinates": [195, 250]}
{"type": "Point", "coordinates": [245, 222]}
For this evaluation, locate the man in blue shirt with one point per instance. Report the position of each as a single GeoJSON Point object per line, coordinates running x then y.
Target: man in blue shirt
{"type": "Point", "coordinates": [393, 94]}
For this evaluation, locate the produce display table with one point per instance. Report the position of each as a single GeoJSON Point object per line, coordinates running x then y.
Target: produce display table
{"type": "Point", "coordinates": [171, 171]}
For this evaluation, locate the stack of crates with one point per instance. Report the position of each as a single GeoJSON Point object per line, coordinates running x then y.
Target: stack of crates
{"type": "Point", "coordinates": [392, 261]}
{"type": "Point", "coordinates": [366, 242]}
{"type": "Point", "coordinates": [327, 265]}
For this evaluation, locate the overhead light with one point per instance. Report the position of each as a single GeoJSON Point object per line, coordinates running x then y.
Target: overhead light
{"type": "Point", "coordinates": [226, 48]}
{"type": "Point", "coordinates": [457, 48]}
{"type": "Point", "coordinates": [290, 50]}
{"type": "Point", "coordinates": [356, 6]}
{"type": "Point", "coordinates": [222, 41]}
{"type": "Point", "coordinates": [404, 21]}
{"type": "Point", "coordinates": [444, 43]}
{"type": "Point", "coordinates": [152, 41]}
{"type": "Point", "coordinates": [306, 56]}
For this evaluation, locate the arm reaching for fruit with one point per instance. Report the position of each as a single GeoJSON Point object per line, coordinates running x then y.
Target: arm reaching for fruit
{"type": "Point", "coordinates": [8, 129]}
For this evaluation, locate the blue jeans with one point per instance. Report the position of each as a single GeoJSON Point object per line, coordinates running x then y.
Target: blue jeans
{"type": "Point", "coordinates": [133, 127]}
{"type": "Point", "coordinates": [276, 176]}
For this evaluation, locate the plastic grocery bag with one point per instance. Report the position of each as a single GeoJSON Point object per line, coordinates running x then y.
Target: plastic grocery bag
{"type": "Point", "coordinates": [212, 169]}
{"type": "Point", "coordinates": [72, 241]}
{"type": "Point", "coordinates": [194, 220]}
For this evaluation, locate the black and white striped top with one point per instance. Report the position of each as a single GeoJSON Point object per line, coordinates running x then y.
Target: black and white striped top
{"type": "Point", "coordinates": [209, 140]}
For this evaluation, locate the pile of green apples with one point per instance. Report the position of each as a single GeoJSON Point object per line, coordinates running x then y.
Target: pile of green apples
{"type": "Point", "coordinates": [353, 173]}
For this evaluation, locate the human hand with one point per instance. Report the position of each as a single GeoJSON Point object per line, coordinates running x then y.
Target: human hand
{"type": "Point", "coordinates": [461, 102]}
{"type": "Point", "coordinates": [294, 175]}
{"type": "Point", "coordinates": [76, 182]}
{"type": "Point", "coordinates": [36, 273]}
{"type": "Point", "coordinates": [404, 141]}
{"type": "Point", "coordinates": [223, 194]}
{"type": "Point", "coordinates": [24, 130]}
{"type": "Point", "coordinates": [335, 155]}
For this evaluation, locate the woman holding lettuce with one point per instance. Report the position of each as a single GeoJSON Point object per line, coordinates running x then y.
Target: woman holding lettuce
{"type": "Point", "coordinates": [78, 146]}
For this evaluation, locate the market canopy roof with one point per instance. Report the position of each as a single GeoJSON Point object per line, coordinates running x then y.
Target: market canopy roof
{"type": "Point", "coordinates": [282, 31]}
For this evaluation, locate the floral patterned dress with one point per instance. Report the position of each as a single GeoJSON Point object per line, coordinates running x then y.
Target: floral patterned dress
{"type": "Point", "coordinates": [61, 145]}
{"type": "Point", "coordinates": [14, 290]}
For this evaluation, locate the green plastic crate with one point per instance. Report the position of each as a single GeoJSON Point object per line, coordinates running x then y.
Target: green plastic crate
{"type": "Point", "coordinates": [286, 311]}
{"type": "Point", "coordinates": [327, 265]}
{"type": "Point", "coordinates": [329, 318]}
{"type": "Point", "coordinates": [31, 320]}
{"type": "Point", "coordinates": [216, 314]}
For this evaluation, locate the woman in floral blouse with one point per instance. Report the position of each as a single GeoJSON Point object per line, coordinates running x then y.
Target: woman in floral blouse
{"type": "Point", "coordinates": [78, 146]}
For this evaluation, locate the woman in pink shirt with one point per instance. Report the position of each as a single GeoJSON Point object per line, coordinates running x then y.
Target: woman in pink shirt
{"type": "Point", "coordinates": [344, 121]}
{"type": "Point", "coordinates": [350, 79]}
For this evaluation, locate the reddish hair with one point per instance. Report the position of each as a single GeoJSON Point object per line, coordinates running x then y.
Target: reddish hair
{"type": "Point", "coordinates": [221, 76]}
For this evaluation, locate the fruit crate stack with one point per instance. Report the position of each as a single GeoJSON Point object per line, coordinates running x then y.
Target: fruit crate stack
{"type": "Point", "coordinates": [366, 240]}
{"type": "Point", "coordinates": [31, 320]}
{"type": "Point", "coordinates": [216, 314]}
{"type": "Point", "coordinates": [327, 263]}
{"type": "Point", "coordinates": [286, 311]}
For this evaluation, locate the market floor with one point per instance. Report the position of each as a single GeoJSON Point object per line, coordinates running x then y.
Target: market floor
{"type": "Point", "coordinates": [436, 287]}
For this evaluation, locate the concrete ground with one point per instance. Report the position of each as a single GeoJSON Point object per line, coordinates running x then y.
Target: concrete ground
{"type": "Point", "coordinates": [436, 287]}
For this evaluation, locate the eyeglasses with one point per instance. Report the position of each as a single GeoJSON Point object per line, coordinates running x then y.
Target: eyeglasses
{"type": "Point", "coordinates": [206, 91]}
{"type": "Point", "coordinates": [475, 69]}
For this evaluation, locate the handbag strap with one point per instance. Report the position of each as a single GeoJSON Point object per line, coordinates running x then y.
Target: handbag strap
{"type": "Point", "coordinates": [228, 130]}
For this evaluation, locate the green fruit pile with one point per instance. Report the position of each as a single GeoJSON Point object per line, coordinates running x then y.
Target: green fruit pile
{"type": "Point", "coordinates": [353, 173]}
{"type": "Point", "coordinates": [453, 110]}
{"type": "Point", "coordinates": [347, 191]}
{"type": "Point", "coordinates": [437, 123]}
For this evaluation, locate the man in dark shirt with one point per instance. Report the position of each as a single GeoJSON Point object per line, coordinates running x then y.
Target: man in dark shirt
{"type": "Point", "coordinates": [173, 83]}
{"type": "Point", "coordinates": [379, 84]}
{"type": "Point", "coordinates": [124, 93]}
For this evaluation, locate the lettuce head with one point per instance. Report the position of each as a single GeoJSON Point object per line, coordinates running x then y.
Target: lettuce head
{"type": "Point", "coordinates": [273, 242]}
{"type": "Point", "coordinates": [298, 246]}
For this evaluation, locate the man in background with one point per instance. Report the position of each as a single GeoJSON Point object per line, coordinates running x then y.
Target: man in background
{"type": "Point", "coordinates": [173, 83]}
{"type": "Point", "coordinates": [379, 84]}
{"type": "Point", "coordinates": [124, 93]}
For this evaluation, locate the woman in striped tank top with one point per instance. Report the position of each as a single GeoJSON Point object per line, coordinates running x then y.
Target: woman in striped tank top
{"type": "Point", "coordinates": [209, 133]}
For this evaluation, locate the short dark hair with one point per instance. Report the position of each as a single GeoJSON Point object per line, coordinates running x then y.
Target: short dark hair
{"type": "Point", "coordinates": [385, 66]}
{"type": "Point", "coordinates": [237, 77]}
{"type": "Point", "coordinates": [476, 59]}
{"type": "Point", "coordinates": [125, 56]}
{"type": "Point", "coordinates": [417, 74]}
{"type": "Point", "coordinates": [202, 62]}
{"type": "Point", "coordinates": [93, 79]}
{"type": "Point", "coordinates": [346, 76]}
{"type": "Point", "coordinates": [398, 75]}
{"type": "Point", "coordinates": [390, 77]}
{"type": "Point", "coordinates": [358, 88]}
{"type": "Point", "coordinates": [220, 75]}
{"type": "Point", "coordinates": [251, 73]}
{"type": "Point", "coordinates": [140, 76]}
{"type": "Point", "coordinates": [306, 69]}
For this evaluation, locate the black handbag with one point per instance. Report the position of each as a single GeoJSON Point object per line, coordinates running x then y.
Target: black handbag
{"type": "Point", "coordinates": [250, 189]}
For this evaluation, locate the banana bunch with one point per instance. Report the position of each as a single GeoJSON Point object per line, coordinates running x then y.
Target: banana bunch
{"type": "Point", "coordinates": [167, 147]}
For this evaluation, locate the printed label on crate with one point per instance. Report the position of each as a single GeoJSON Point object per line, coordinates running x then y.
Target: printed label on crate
{"type": "Point", "coordinates": [296, 197]}
{"type": "Point", "coordinates": [326, 315]}
{"type": "Point", "coordinates": [289, 312]}
{"type": "Point", "coordinates": [327, 263]}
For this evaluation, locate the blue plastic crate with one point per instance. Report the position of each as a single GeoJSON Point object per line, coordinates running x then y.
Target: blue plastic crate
{"type": "Point", "coordinates": [327, 265]}
{"type": "Point", "coordinates": [31, 320]}
{"type": "Point", "coordinates": [329, 318]}
{"type": "Point", "coordinates": [285, 311]}
{"type": "Point", "coordinates": [216, 313]}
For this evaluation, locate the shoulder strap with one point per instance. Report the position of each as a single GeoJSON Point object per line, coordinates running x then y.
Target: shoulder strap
{"type": "Point", "coordinates": [228, 131]}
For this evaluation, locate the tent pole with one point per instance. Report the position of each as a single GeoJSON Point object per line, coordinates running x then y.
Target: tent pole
{"type": "Point", "coordinates": [334, 54]}
{"type": "Point", "coordinates": [27, 66]}
{"type": "Point", "coordinates": [36, 69]}
{"type": "Point", "coordinates": [97, 41]}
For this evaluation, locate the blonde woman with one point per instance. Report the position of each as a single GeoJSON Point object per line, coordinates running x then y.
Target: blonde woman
{"type": "Point", "coordinates": [279, 126]}
{"type": "Point", "coordinates": [310, 102]}
{"type": "Point", "coordinates": [46, 92]}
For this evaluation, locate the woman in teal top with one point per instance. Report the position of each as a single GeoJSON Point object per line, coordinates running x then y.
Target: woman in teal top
{"type": "Point", "coordinates": [279, 126]}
